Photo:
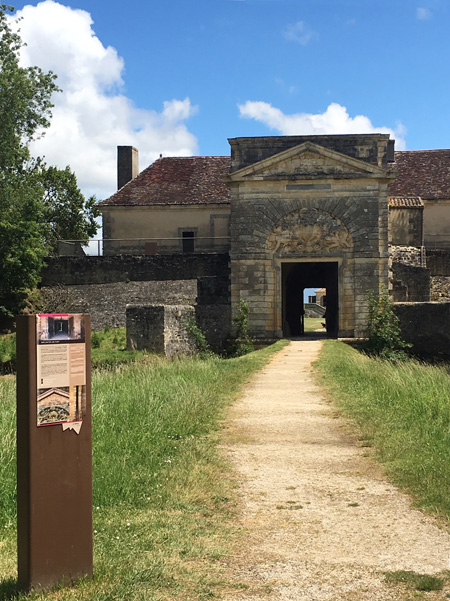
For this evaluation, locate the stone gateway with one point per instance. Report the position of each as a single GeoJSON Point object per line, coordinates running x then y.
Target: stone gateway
{"type": "Point", "coordinates": [308, 211]}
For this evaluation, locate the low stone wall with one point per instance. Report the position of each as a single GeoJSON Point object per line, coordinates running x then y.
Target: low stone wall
{"type": "Point", "coordinates": [438, 262]}
{"type": "Point", "coordinates": [426, 326]}
{"type": "Point", "coordinates": [410, 283]}
{"type": "Point", "coordinates": [160, 329]}
{"type": "Point", "coordinates": [70, 271]}
{"type": "Point", "coordinates": [107, 302]}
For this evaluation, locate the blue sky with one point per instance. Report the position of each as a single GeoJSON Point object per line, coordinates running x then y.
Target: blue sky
{"type": "Point", "coordinates": [179, 77]}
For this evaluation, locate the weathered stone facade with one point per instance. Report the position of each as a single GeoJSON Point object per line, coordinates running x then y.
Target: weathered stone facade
{"type": "Point", "coordinates": [308, 211]}
{"type": "Point", "coordinates": [426, 326]}
{"type": "Point", "coordinates": [160, 329]}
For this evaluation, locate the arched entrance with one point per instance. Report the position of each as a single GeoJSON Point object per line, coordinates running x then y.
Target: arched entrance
{"type": "Point", "coordinates": [296, 276]}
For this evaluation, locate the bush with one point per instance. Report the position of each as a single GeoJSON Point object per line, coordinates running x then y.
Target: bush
{"type": "Point", "coordinates": [383, 329]}
{"type": "Point", "coordinates": [198, 339]}
{"type": "Point", "coordinates": [241, 344]}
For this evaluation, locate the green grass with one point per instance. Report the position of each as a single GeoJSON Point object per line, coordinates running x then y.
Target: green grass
{"type": "Point", "coordinates": [163, 496]}
{"type": "Point", "coordinates": [403, 411]}
{"type": "Point", "coordinates": [313, 323]}
{"type": "Point", "coordinates": [413, 580]}
{"type": "Point", "coordinates": [7, 353]}
{"type": "Point", "coordinates": [108, 350]}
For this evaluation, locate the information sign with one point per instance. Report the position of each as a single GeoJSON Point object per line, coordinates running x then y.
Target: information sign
{"type": "Point", "coordinates": [54, 450]}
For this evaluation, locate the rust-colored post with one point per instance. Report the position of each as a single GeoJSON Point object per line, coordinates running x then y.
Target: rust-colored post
{"type": "Point", "coordinates": [54, 472]}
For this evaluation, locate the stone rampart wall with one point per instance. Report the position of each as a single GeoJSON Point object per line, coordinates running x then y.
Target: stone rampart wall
{"type": "Point", "coordinates": [410, 283]}
{"type": "Point", "coordinates": [438, 262]}
{"type": "Point", "coordinates": [107, 302]}
{"type": "Point", "coordinates": [426, 326]}
{"type": "Point", "coordinates": [70, 271]}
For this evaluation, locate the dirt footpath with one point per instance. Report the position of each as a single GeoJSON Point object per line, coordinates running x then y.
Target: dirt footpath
{"type": "Point", "coordinates": [320, 520]}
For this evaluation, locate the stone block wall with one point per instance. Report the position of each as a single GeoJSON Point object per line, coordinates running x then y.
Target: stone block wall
{"type": "Point", "coordinates": [215, 322]}
{"type": "Point", "coordinates": [107, 303]}
{"type": "Point", "coordinates": [406, 226]}
{"type": "Point", "coordinates": [160, 329]}
{"type": "Point", "coordinates": [374, 149]}
{"type": "Point", "coordinates": [438, 262]}
{"type": "Point", "coordinates": [426, 326]}
{"type": "Point", "coordinates": [410, 283]}
{"type": "Point", "coordinates": [69, 271]}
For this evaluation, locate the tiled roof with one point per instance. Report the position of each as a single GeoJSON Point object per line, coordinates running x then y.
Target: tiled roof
{"type": "Point", "coordinates": [201, 180]}
{"type": "Point", "coordinates": [424, 173]}
{"type": "Point", "coordinates": [177, 181]}
{"type": "Point", "coordinates": [405, 202]}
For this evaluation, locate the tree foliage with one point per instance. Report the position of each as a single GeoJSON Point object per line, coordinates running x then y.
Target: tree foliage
{"type": "Point", "coordinates": [37, 203]}
{"type": "Point", "coordinates": [69, 215]}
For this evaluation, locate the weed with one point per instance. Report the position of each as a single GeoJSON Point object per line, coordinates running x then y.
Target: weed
{"type": "Point", "coordinates": [241, 343]}
{"type": "Point", "coordinates": [198, 339]}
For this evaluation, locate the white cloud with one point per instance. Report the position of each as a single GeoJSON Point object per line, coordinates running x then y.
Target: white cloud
{"type": "Point", "coordinates": [423, 14]}
{"type": "Point", "coordinates": [299, 32]}
{"type": "Point", "coordinates": [335, 120]}
{"type": "Point", "coordinates": [91, 116]}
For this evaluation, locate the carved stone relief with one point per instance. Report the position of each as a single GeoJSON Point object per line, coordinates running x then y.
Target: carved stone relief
{"type": "Point", "coordinates": [309, 230]}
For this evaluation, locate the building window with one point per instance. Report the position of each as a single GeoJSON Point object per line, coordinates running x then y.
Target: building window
{"type": "Point", "coordinates": [188, 241]}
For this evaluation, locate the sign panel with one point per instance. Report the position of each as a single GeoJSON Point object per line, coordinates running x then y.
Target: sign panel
{"type": "Point", "coordinates": [54, 464]}
{"type": "Point", "coordinates": [61, 368]}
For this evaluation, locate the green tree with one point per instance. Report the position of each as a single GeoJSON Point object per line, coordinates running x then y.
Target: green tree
{"type": "Point", "coordinates": [69, 215]}
{"type": "Point", "coordinates": [37, 203]}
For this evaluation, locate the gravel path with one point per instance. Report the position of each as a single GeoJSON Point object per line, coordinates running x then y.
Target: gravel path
{"type": "Point", "coordinates": [320, 520]}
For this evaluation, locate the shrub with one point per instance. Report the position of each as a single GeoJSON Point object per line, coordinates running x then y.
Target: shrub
{"type": "Point", "coordinates": [198, 339]}
{"type": "Point", "coordinates": [241, 343]}
{"type": "Point", "coordinates": [383, 329]}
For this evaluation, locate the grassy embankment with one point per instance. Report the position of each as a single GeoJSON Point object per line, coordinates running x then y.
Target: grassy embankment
{"type": "Point", "coordinates": [403, 411]}
{"type": "Point", "coordinates": [162, 491]}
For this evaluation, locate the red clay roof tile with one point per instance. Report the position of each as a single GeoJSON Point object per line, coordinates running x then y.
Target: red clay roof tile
{"type": "Point", "coordinates": [424, 173]}
{"type": "Point", "coordinates": [405, 202]}
{"type": "Point", "coordinates": [177, 181]}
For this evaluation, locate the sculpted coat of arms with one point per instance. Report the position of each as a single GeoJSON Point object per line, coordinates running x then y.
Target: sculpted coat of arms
{"type": "Point", "coordinates": [309, 230]}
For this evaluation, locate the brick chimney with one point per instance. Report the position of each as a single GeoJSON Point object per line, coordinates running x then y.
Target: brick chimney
{"type": "Point", "coordinates": [127, 164]}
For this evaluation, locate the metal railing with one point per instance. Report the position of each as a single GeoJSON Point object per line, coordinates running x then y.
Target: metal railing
{"type": "Point", "coordinates": [143, 246]}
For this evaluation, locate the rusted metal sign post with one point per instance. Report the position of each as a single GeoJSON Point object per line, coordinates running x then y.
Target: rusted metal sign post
{"type": "Point", "coordinates": [54, 450]}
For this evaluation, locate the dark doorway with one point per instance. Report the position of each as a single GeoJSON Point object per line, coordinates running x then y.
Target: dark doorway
{"type": "Point", "coordinates": [297, 277]}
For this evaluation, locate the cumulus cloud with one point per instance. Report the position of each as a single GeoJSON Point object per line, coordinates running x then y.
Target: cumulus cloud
{"type": "Point", "coordinates": [299, 32]}
{"type": "Point", "coordinates": [423, 14]}
{"type": "Point", "coordinates": [92, 116]}
{"type": "Point", "coordinates": [335, 120]}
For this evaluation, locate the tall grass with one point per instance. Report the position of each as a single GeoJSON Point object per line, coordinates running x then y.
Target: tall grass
{"type": "Point", "coordinates": [7, 452]}
{"type": "Point", "coordinates": [162, 491]}
{"type": "Point", "coordinates": [403, 409]}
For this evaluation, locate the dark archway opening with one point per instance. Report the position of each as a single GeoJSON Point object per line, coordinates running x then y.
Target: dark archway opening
{"type": "Point", "coordinates": [297, 277]}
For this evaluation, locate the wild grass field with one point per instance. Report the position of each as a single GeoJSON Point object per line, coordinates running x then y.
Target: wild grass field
{"type": "Point", "coordinates": [163, 494]}
{"type": "Point", "coordinates": [402, 409]}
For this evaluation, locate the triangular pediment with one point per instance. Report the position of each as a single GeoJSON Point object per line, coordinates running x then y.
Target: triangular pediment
{"type": "Point", "coordinates": [309, 161]}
